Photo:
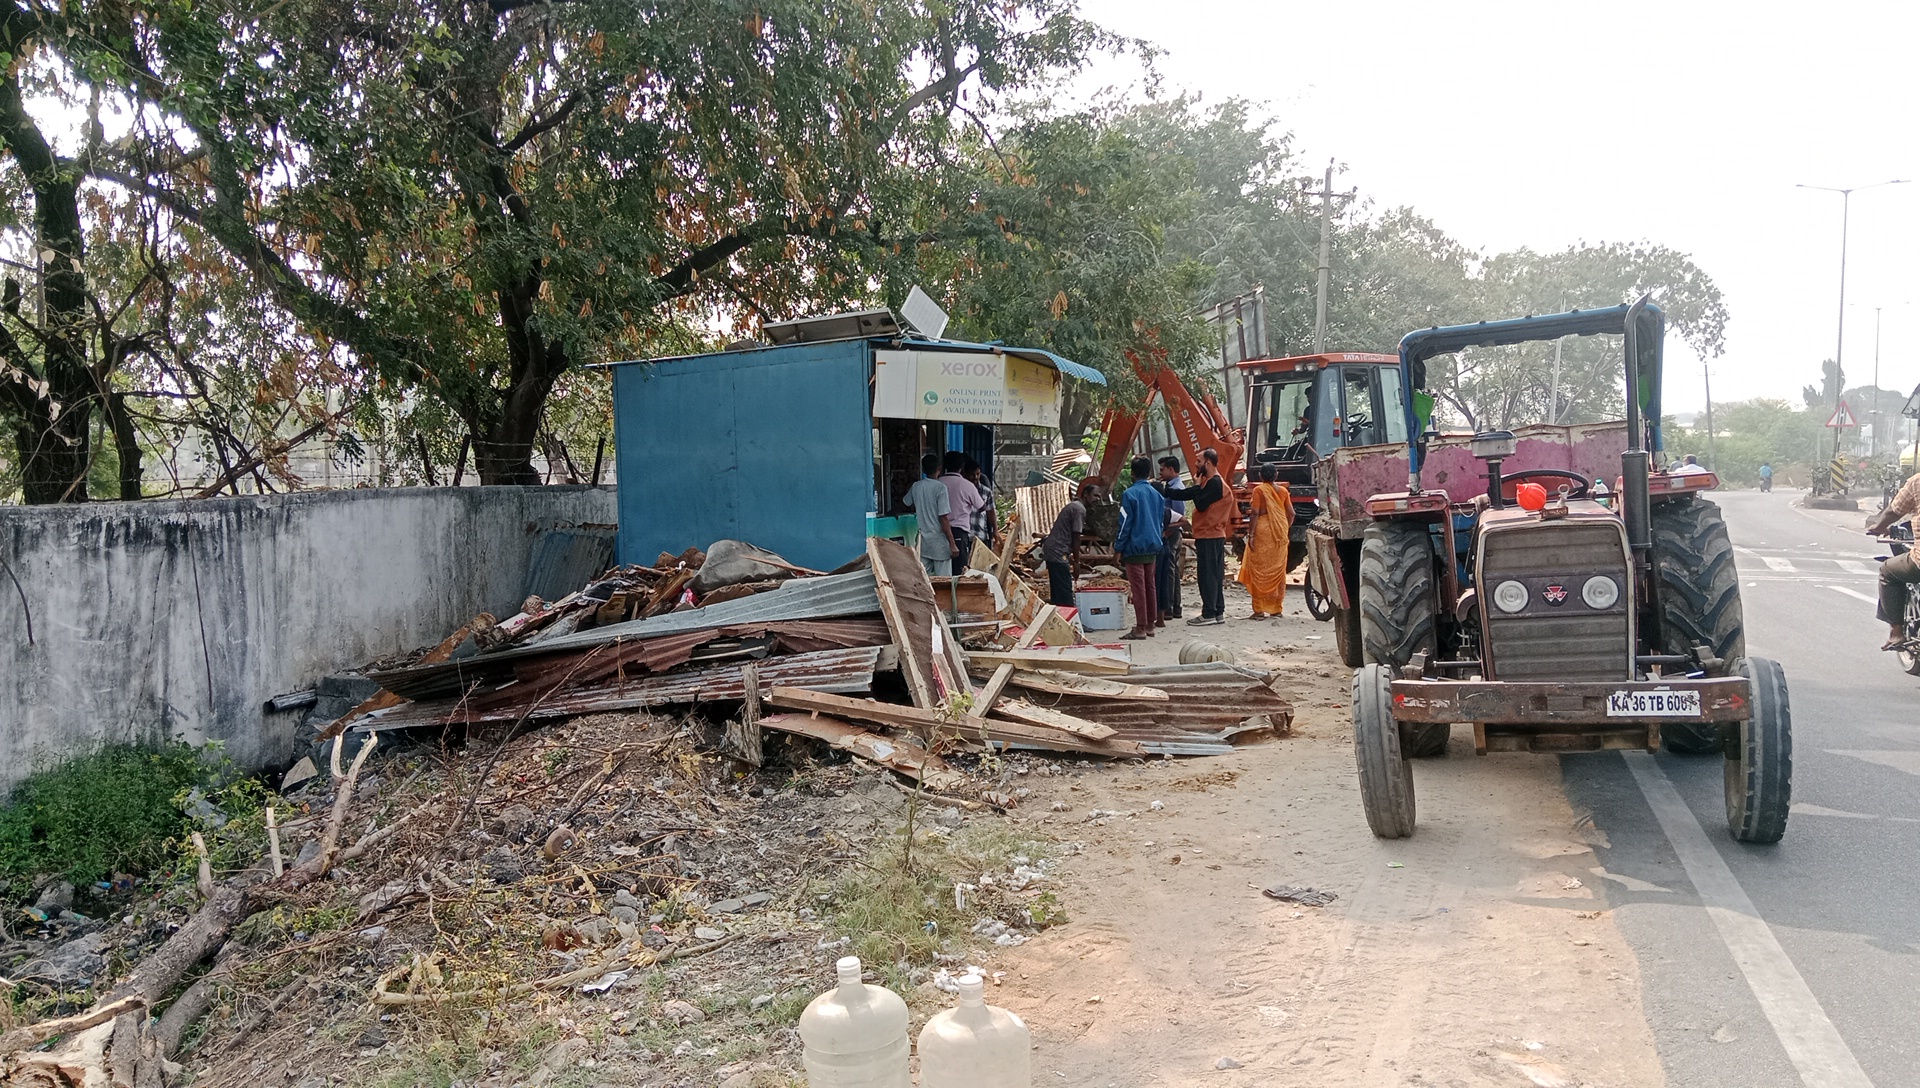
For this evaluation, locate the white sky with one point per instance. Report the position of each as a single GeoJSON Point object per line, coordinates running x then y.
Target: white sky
{"type": "Point", "coordinates": [1545, 124]}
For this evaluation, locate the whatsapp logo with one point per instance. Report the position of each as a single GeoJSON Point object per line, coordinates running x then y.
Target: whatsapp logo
{"type": "Point", "coordinates": [930, 397]}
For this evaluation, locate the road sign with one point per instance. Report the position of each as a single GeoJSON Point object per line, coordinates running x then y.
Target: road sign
{"type": "Point", "coordinates": [1842, 417]}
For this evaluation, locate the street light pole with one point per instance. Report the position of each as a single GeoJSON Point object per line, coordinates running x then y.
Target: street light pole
{"type": "Point", "coordinates": [1840, 336]}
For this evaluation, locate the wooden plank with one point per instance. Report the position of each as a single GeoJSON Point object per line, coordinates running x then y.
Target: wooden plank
{"type": "Point", "coordinates": [913, 639]}
{"type": "Point", "coordinates": [1026, 713]}
{"type": "Point", "coordinates": [1010, 535]}
{"type": "Point", "coordinates": [1099, 687]}
{"type": "Point", "coordinates": [929, 724]}
{"type": "Point", "coordinates": [1032, 634]}
{"type": "Point", "coordinates": [742, 738]}
{"type": "Point", "coordinates": [983, 702]}
{"type": "Point", "coordinates": [1058, 660]}
{"type": "Point", "coordinates": [1035, 736]}
{"type": "Point", "coordinates": [1057, 630]}
{"type": "Point", "coordinates": [910, 760]}
{"type": "Point", "coordinates": [865, 710]}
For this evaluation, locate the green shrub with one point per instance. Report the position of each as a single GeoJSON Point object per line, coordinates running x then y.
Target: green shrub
{"type": "Point", "coordinates": [89, 817]}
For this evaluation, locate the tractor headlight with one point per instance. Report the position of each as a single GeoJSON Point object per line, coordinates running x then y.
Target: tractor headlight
{"type": "Point", "coordinates": [1600, 592]}
{"type": "Point", "coordinates": [1510, 596]}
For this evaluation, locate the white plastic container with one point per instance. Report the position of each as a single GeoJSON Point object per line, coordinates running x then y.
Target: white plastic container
{"type": "Point", "coordinates": [855, 1034]}
{"type": "Point", "coordinates": [975, 1045]}
{"type": "Point", "coordinates": [1101, 609]}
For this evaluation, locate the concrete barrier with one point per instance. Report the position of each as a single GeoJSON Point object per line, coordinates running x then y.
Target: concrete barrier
{"type": "Point", "coordinates": [148, 620]}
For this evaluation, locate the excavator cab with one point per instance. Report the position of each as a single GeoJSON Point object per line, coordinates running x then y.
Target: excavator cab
{"type": "Point", "coordinates": [1302, 407]}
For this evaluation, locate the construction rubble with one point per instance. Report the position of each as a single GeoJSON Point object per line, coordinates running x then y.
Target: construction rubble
{"type": "Point", "coordinates": [874, 658]}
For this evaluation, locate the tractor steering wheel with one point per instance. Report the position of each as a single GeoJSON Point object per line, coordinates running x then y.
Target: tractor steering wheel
{"type": "Point", "coordinates": [1509, 483]}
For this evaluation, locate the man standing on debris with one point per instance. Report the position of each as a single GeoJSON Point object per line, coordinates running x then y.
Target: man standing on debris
{"type": "Point", "coordinates": [963, 502]}
{"type": "Point", "coordinates": [1143, 517]}
{"type": "Point", "coordinates": [932, 508]}
{"type": "Point", "coordinates": [1213, 505]}
{"type": "Point", "coordinates": [1061, 546]}
{"type": "Point", "coordinates": [1166, 573]}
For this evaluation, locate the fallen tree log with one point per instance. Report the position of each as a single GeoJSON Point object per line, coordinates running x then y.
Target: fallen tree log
{"type": "Point", "coordinates": [115, 1044]}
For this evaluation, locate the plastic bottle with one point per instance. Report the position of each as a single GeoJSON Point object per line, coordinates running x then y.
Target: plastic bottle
{"type": "Point", "coordinates": [855, 1034]}
{"type": "Point", "coordinates": [975, 1045]}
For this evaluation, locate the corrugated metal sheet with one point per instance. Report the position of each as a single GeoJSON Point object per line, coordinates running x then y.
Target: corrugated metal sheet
{"type": "Point", "coordinates": [802, 599]}
{"type": "Point", "coordinates": [847, 672]}
{"type": "Point", "coordinates": [564, 560]}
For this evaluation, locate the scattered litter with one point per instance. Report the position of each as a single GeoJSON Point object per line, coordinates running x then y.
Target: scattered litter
{"type": "Point", "coordinates": [1156, 806]}
{"type": "Point", "coordinates": [1395, 865]}
{"type": "Point", "coordinates": [1226, 1063]}
{"type": "Point", "coordinates": [708, 933]}
{"type": "Point", "coordinates": [1306, 897]}
{"type": "Point", "coordinates": [604, 983]}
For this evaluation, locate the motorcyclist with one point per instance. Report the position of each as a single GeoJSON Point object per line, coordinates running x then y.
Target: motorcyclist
{"type": "Point", "coordinates": [1901, 572]}
{"type": "Point", "coordinates": [1766, 477]}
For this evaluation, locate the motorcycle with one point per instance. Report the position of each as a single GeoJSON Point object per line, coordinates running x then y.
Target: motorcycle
{"type": "Point", "coordinates": [1766, 484]}
{"type": "Point", "coordinates": [1899, 540]}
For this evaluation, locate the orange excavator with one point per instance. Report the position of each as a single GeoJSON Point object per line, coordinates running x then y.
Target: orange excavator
{"type": "Point", "coordinates": [1199, 425]}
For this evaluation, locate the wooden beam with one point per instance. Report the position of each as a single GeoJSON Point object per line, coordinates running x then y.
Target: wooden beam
{"type": "Point", "coordinates": [742, 739]}
{"type": "Point", "coordinates": [897, 755]}
{"type": "Point", "coordinates": [983, 702]}
{"type": "Point", "coordinates": [1028, 714]}
{"type": "Point", "coordinates": [916, 665]}
{"type": "Point", "coordinates": [1097, 687]}
{"type": "Point", "coordinates": [1032, 634]}
{"type": "Point", "coordinates": [1081, 661]}
{"type": "Point", "coordinates": [929, 724]}
{"type": "Point", "coordinates": [1010, 534]}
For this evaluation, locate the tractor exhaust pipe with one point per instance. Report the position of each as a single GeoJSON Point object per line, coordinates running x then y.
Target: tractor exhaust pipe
{"type": "Point", "coordinates": [1634, 501]}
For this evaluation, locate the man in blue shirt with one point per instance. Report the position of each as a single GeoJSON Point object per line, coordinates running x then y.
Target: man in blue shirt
{"type": "Point", "coordinates": [1143, 516]}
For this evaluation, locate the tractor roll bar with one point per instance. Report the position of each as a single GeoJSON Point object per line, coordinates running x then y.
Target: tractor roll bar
{"type": "Point", "coordinates": [1644, 370]}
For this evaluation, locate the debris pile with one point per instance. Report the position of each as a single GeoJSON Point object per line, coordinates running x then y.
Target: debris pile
{"type": "Point", "coordinates": [738, 627]}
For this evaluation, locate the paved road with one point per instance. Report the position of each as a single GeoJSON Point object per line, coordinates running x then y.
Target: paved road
{"type": "Point", "coordinates": [1838, 901]}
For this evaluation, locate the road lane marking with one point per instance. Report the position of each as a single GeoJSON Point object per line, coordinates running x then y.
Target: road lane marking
{"type": "Point", "coordinates": [1855, 594]}
{"type": "Point", "coordinates": [1800, 808]}
{"type": "Point", "coordinates": [1812, 1043]}
{"type": "Point", "coordinates": [1775, 562]}
{"type": "Point", "coordinates": [1854, 566]}
{"type": "Point", "coordinates": [1898, 760]}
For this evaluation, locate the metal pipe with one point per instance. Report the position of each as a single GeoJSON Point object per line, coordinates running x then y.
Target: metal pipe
{"type": "Point", "coordinates": [1634, 503]}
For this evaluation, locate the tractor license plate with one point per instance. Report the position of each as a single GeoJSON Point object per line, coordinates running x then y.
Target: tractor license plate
{"type": "Point", "coordinates": [1653, 704]}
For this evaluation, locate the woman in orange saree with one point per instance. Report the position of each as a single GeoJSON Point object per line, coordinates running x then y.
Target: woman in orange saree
{"type": "Point", "coordinates": [1264, 568]}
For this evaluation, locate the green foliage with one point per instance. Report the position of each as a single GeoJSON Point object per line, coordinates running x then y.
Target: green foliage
{"type": "Point", "coordinates": [113, 810]}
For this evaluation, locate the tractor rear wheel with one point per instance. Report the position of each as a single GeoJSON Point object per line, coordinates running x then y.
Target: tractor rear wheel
{"type": "Point", "coordinates": [1397, 606]}
{"type": "Point", "coordinates": [1760, 758]}
{"type": "Point", "coordinates": [1386, 779]}
{"type": "Point", "coordinates": [1699, 599]}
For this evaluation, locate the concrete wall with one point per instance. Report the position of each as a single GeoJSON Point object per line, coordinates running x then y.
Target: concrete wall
{"type": "Point", "coordinates": [181, 618]}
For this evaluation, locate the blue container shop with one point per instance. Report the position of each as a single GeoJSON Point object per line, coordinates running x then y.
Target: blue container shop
{"type": "Point", "coordinates": [807, 447]}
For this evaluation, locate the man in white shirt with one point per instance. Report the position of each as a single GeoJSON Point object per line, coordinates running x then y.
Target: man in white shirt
{"type": "Point", "coordinates": [933, 509]}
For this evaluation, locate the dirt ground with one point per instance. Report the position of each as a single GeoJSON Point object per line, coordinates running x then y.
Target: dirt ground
{"type": "Point", "coordinates": [1478, 952]}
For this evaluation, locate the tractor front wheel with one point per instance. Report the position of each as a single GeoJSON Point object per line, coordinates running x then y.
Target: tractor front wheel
{"type": "Point", "coordinates": [1386, 779]}
{"type": "Point", "coordinates": [1397, 608]}
{"type": "Point", "coordinates": [1760, 758]}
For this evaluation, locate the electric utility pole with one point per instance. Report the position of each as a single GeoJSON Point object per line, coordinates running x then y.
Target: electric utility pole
{"type": "Point", "coordinates": [1327, 197]}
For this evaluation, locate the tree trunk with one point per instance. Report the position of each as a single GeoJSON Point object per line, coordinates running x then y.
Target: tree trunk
{"type": "Point", "coordinates": [51, 438]}
{"type": "Point", "coordinates": [126, 442]}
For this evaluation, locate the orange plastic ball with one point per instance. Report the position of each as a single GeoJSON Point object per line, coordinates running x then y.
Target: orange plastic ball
{"type": "Point", "coordinates": [1531, 496]}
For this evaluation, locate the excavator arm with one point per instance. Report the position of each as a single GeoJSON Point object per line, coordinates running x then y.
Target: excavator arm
{"type": "Point", "coordinates": [1198, 424]}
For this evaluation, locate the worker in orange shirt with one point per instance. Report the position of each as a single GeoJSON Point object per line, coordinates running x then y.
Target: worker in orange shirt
{"type": "Point", "coordinates": [1213, 506]}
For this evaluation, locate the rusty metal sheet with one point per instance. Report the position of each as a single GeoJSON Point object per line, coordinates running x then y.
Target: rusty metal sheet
{"type": "Point", "coordinates": [652, 654]}
{"type": "Point", "coordinates": [846, 671]}
{"type": "Point", "coordinates": [1723, 699]}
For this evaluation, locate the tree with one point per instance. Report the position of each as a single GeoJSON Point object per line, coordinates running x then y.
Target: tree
{"type": "Point", "coordinates": [476, 197]}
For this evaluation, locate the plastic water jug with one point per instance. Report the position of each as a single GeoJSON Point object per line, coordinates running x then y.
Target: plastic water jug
{"type": "Point", "coordinates": [975, 1045]}
{"type": "Point", "coordinates": [855, 1034]}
